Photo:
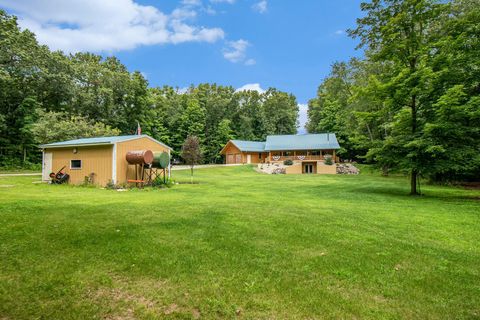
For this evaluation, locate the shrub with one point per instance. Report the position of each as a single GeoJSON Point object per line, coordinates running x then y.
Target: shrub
{"type": "Point", "coordinates": [159, 183]}
{"type": "Point", "coordinates": [110, 185]}
{"type": "Point", "coordinates": [288, 162]}
{"type": "Point", "coordinates": [328, 160]}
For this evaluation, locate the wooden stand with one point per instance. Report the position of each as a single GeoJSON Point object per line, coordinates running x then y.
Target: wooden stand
{"type": "Point", "coordinates": [139, 175]}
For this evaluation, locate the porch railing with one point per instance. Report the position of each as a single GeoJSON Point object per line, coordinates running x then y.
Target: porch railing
{"type": "Point", "coordinates": [296, 158]}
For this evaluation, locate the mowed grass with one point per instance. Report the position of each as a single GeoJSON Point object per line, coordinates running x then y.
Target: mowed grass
{"type": "Point", "coordinates": [240, 245]}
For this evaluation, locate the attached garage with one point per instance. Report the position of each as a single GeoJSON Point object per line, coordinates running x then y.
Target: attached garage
{"type": "Point", "coordinates": [240, 152]}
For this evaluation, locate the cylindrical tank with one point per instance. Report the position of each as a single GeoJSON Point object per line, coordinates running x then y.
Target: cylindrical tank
{"type": "Point", "coordinates": [160, 160]}
{"type": "Point", "coordinates": [139, 157]}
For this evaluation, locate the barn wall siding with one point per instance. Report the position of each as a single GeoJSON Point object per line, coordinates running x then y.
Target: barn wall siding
{"type": "Point", "coordinates": [131, 145]}
{"type": "Point", "coordinates": [97, 160]}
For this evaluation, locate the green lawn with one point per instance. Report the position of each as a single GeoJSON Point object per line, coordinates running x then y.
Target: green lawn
{"type": "Point", "coordinates": [240, 245]}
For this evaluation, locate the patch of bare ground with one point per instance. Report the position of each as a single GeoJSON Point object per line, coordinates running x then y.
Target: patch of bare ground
{"type": "Point", "coordinates": [471, 185]}
{"type": "Point", "coordinates": [145, 298]}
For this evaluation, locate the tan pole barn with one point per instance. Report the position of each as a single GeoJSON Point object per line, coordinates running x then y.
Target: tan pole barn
{"type": "Point", "coordinates": [104, 158]}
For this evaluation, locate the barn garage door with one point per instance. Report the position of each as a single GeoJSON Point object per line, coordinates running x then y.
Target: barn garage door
{"type": "Point", "coordinates": [238, 158]}
{"type": "Point", "coordinates": [230, 159]}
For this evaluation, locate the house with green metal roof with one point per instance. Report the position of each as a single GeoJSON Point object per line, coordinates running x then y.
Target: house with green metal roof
{"type": "Point", "coordinates": [306, 153]}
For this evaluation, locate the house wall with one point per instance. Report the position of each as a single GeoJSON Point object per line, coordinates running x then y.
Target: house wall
{"type": "Point", "coordinates": [121, 152]}
{"type": "Point", "coordinates": [319, 168]}
{"type": "Point", "coordinates": [295, 168]}
{"type": "Point", "coordinates": [96, 159]}
{"type": "Point", "coordinates": [325, 169]}
{"type": "Point", "coordinates": [254, 157]}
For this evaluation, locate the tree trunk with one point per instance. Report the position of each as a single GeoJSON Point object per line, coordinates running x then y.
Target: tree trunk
{"type": "Point", "coordinates": [191, 174]}
{"type": "Point", "coordinates": [414, 174]}
{"type": "Point", "coordinates": [413, 183]}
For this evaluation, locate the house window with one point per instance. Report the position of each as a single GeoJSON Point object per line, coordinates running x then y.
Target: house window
{"type": "Point", "coordinates": [287, 153]}
{"type": "Point", "coordinates": [315, 152]}
{"type": "Point", "coordinates": [75, 164]}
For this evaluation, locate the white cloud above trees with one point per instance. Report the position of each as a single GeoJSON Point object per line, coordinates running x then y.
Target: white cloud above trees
{"type": "Point", "coordinates": [251, 86]}
{"type": "Point", "coordinates": [260, 6]}
{"type": "Point", "coordinates": [236, 52]}
{"type": "Point", "coordinates": [109, 25]}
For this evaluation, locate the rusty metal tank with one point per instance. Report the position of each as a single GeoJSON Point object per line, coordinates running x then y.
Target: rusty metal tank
{"type": "Point", "coordinates": [139, 157]}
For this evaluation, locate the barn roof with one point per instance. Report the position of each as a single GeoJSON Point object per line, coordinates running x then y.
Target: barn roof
{"type": "Point", "coordinates": [97, 141]}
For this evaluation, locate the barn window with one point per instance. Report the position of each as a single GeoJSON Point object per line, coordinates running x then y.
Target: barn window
{"type": "Point", "coordinates": [75, 164]}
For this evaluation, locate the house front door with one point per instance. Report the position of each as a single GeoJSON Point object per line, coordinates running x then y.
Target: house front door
{"type": "Point", "coordinates": [308, 168]}
{"type": "Point", "coordinates": [249, 158]}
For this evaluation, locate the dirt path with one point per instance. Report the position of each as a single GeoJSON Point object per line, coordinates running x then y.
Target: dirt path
{"type": "Point", "coordinates": [180, 167]}
{"type": "Point", "coordinates": [20, 174]}
{"type": "Point", "coordinates": [183, 167]}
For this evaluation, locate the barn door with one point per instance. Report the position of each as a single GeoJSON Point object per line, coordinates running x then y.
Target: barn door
{"type": "Point", "coordinates": [238, 158]}
{"type": "Point", "coordinates": [46, 165]}
{"type": "Point", "coordinates": [230, 159]}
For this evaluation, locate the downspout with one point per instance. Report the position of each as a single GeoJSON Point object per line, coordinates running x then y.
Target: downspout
{"type": "Point", "coordinates": [169, 165]}
{"type": "Point", "coordinates": [43, 165]}
{"type": "Point", "coordinates": [114, 164]}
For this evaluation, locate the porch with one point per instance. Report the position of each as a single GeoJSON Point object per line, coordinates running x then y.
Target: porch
{"type": "Point", "coordinates": [301, 155]}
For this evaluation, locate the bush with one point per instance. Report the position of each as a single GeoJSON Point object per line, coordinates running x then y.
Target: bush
{"type": "Point", "coordinates": [288, 162]}
{"type": "Point", "coordinates": [12, 164]}
{"type": "Point", "coordinates": [159, 183]}
{"type": "Point", "coordinates": [328, 160]}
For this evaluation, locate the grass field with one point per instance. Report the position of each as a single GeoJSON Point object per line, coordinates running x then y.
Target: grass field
{"type": "Point", "coordinates": [240, 245]}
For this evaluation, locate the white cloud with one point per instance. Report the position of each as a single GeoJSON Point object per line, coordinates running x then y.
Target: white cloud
{"type": "Point", "coordinates": [261, 6]}
{"type": "Point", "coordinates": [236, 51]}
{"type": "Point", "coordinates": [223, 1]}
{"type": "Point", "coordinates": [302, 117]}
{"type": "Point", "coordinates": [183, 90]}
{"type": "Point", "coordinates": [252, 87]}
{"type": "Point", "coordinates": [339, 32]}
{"type": "Point", "coordinates": [191, 2]}
{"type": "Point", "coordinates": [108, 25]}
{"type": "Point", "coordinates": [250, 62]}
{"type": "Point", "coordinates": [209, 10]}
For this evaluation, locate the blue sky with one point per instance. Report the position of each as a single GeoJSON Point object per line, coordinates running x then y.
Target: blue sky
{"type": "Point", "coordinates": [289, 45]}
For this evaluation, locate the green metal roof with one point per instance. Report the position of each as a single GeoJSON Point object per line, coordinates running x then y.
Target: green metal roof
{"type": "Point", "coordinates": [97, 141]}
{"type": "Point", "coordinates": [302, 142]}
{"type": "Point", "coordinates": [251, 146]}
{"type": "Point", "coordinates": [290, 142]}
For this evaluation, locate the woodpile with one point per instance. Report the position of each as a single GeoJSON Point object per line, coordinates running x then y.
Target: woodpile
{"type": "Point", "coordinates": [347, 168]}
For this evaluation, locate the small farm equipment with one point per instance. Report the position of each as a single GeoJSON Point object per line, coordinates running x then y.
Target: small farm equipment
{"type": "Point", "coordinates": [59, 177]}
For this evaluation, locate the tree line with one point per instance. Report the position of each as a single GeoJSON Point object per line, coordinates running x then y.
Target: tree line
{"type": "Point", "coordinates": [50, 96]}
{"type": "Point", "coordinates": [412, 104]}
